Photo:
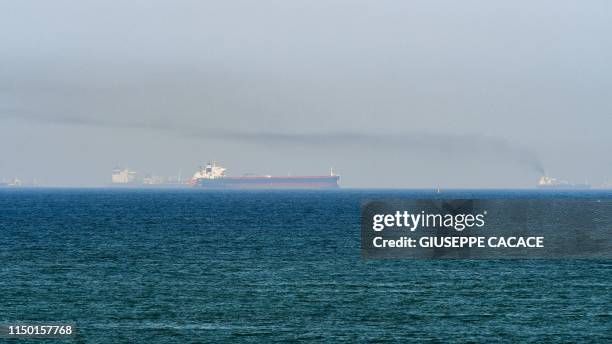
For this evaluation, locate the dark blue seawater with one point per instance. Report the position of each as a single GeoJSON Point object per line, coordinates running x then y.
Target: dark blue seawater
{"type": "Point", "coordinates": [185, 266]}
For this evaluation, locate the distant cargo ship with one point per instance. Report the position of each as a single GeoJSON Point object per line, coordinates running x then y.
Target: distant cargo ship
{"type": "Point", "coordinates": [547, 182]}
{"type": "Point", "coordinates": [123, 176]}
{"type": "Point", "coordinates": [15, 182]}
{"type": "Point", "coordinates": [213, 177]}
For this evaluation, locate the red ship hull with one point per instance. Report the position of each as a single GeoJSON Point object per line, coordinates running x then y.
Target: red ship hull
{"type": "Point", "coordinates": [269, 182]}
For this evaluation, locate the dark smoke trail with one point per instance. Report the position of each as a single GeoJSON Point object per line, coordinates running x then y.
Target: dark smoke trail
{"type": "Point", "coordinates": [423, 144]}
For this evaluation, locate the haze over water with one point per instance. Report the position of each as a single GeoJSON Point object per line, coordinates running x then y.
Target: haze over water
{"type": "Point", "coordinates": [390, 93]}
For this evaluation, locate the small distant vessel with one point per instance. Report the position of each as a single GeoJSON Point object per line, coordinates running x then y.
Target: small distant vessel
{"type": "Point", "coordinates": [606, 185]}
{"type": "Point", "coordinates": [212, 176]}
{"type": "Point", "coordinates": [547, 182]}
{"type": "Point", "coordinates": [123, 176]}
{"type": "Point", "coordinates": [16, 182]}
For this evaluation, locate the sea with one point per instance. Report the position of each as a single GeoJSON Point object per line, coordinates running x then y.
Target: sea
{"type": "Point", "coordinates": [198, 266]}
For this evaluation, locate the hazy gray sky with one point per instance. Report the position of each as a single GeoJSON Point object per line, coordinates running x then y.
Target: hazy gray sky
{"type": "Point", "coordinates": [391, 93]}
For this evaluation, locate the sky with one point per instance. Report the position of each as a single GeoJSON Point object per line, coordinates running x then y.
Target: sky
{"type": "Point", "coordinates": [406, 94]}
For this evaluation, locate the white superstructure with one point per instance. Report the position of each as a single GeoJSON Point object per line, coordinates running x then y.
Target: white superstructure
{"type": "Point", "coordinates": [123, 176]}
{"type": "Point", "coordinates": [211, 171]}
{"type": "Point", "coordinates": [548, 181]}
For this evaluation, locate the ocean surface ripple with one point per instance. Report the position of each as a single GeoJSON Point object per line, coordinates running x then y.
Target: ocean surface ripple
{"type": "Point", "coordinates": [181, 266]}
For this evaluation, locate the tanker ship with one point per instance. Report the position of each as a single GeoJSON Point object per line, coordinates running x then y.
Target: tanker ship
{"type": "Point", "coordinates": [547, 182]}
{"type": "Point", "coordinates": [213, 177]}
